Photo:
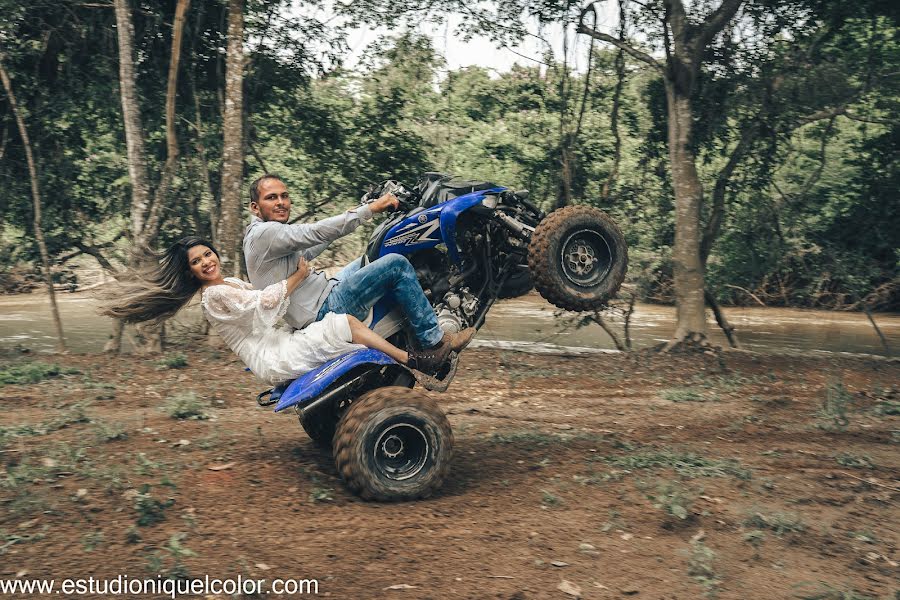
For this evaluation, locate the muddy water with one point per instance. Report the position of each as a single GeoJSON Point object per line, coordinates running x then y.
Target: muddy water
{"type": "Point", "coordinates": [525, 323]}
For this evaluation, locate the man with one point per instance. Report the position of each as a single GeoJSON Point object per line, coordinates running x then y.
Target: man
{"type": "Point", "coordinates": [273, 247]}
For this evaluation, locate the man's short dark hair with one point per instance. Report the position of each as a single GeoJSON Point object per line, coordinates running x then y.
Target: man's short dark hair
{"type": "Point", "coordinates": [254, 187]}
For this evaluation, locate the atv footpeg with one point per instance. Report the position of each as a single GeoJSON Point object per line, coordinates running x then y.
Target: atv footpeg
{"type": "Point", "coordinates": [434, 384]}
{"type": "Point", "coordinates": [274, 395]}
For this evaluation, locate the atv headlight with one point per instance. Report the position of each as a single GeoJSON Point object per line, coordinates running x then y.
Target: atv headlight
{"type": "Point", "coordinates": [491, 201]}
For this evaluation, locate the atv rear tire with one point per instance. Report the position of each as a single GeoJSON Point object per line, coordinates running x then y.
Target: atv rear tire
{"type": "Point", "coordinates": [578, 258]}
{"type": "Point", "coordinates": [320, 429]}
{"type": "Point", "coordinates": [393, 444]}
{"type": "Point", "coordinates": [517, 284]}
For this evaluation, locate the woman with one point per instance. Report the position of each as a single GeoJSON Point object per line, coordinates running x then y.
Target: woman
{"type": "Point", "coordinates": [246, 318]}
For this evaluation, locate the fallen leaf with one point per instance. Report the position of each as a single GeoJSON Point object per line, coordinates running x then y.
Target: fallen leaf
{"type": "Point", "coordinates": [567, 587]}
{"type": "Point", "coordinates": [220, 467]}
{"type": "Point", "coordinates": [263, 566]}
{"type": "Point", "coordinates": [627, 536]}
{"type": "Point", "coordinates": [559, 563]}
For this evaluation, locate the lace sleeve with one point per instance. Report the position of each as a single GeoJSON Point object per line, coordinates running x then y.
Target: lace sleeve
{"type": "Point", "coordinates": [273, 303]}
{"type": "Point", "coordinates": [224, 303]}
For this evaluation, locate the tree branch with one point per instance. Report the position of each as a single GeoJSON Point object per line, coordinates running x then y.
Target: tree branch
{"type": "Point", "coordinates": [634, 53]}
{"type": "Point", "coordinates": [716, 21]}
{"type": "Point", "coordinates": [95, 252]}
{"type": "Point", "coordinates": [714, 224]}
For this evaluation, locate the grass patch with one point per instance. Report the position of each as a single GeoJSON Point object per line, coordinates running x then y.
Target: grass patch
{"type": "Point", "coordinates": [31, 372]}
{"type": "Point", "coordinates": [549, 499]}
{"type": "Point", "coordinates": [149, 509]}
{"type": "Point", "coordinates": [74, 415]}
{"type": "Point", "coordinates": [685, 464]}
{"type": "Point", "coordinates": [22, 482]}
{"type": "Point", "coordinates": [825, 591]}
{"type": "Point", "coordinates": [887, 408]}
{"type": "Point", "coordinates": [186, 405]}
{"type": "Point", "coordinates": [755, 538]}
{"type": "Point", "coordinates": [170, 562]}
{"type": "Point", "coordinates": [683, 395]}
{"type": "Point", "coordinates": [701, 568]}
{"type": "Point", "coordinates": [176, 360]}
{"type": "Point", "coordinates": [673, 499]}
{"type": "Point", "coordinates": [779, 523]}
{"type": "Point", "coordinates": [109, 432]}
{"type": "Point", "coordinates": [854, 461]}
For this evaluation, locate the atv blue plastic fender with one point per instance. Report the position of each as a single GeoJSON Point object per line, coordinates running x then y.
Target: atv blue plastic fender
{"type": "Point", "coordinates": [311, 385]}
{"type": "Point", "coordinates": [418, 231]}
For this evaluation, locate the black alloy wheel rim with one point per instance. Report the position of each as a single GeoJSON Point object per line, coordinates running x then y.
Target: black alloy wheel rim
{"type": "Point", "coordinates": [401, 451]}
{"type": "Point", "coordinates": [586, 258]}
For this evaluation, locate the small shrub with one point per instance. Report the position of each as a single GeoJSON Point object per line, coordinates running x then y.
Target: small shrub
{"type": "Point", "coordinates": [31, 372]}
{"type": "Point", "coordinates": [320, 494]}
{"type": "Point", "coordinates": [150, 510]}
{"type": "Point", "coordinates": [755, 538]}
{"type": "Point", "coordinates": [887, 408]}
{"type": "Point", "coordinates": [854, 461]}
{"type": "Point", "coordinates": [700, 567]}
{"type": "Point", "coordinates": [89, 541]}
{"type": "Point", "coordinates": [548, 499]}
{"type": "Point", "coordinates": [176, 551]}
{"type": "Point", "coordinates": [173, 361]}
{"type": "Point", "coordinates": [133, 536]}
{"type": "Point", "coordinates": [673, 499]}
{"type": "Point", "coordinates": [186, 405]}
{"type": "Point", "coordinates": [779, 523]}
{"type": "Point", "coordinates": [109, 432]}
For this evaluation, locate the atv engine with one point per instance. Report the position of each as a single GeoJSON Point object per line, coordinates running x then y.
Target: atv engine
{"type": "Point", "coordinates": [456, 311]}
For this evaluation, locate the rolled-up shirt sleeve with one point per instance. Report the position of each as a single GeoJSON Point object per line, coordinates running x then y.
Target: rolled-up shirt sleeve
{"type": "Point", "coordinates": [276, 239]}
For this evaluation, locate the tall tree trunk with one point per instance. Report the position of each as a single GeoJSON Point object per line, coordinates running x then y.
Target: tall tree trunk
{"type": "Point", "coordinates": [36, 199]}
{"type": "Point", "coordinates": [685, 44]}
{"type": "Point", "coordinates": [134, 131]}
{"type": "Point", "coordinates": [233, 144]}
{"type": "Point", "coordinates": [687, 265]}
{"type": "Point", "coordinates": [146, 211]}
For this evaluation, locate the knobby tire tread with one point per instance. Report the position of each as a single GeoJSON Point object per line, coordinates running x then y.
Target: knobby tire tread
{"type": "Point", "coordinates": [349, 430]}
{"type": "Point", "coordinates": [542, 265]}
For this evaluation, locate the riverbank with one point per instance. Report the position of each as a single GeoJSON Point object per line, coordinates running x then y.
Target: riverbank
{"type": "Point", "coordinates": [529, 321]}
{"type": "Point", "coordinates": [602, 476]}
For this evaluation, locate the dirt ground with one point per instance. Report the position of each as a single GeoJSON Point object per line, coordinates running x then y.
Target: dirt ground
{"type": "Point", "coordinates": [605, 476]}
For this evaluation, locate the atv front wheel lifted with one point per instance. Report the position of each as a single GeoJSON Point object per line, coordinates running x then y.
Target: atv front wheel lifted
{"type": "Point", "coordinates": [393, 443]}
{"type": "Point", "coordinates": [577, 258]}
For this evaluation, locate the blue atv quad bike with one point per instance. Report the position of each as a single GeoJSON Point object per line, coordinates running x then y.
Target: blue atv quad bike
{"type": "Point", "coordinates": [471, 242]}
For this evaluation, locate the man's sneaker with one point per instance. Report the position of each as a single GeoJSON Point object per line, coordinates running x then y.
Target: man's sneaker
{"type": "Point", "coordinates": [461, 339]}
{"type": "Point", "coordinates": [431, 359]}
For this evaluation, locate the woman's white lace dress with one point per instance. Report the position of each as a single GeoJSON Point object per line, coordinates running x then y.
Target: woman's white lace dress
{"type": "Point", "coordinates": [246, 319]}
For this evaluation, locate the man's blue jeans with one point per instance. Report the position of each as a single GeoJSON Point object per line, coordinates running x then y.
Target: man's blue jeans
{"type": "Point", "coordinates": [359, 288]}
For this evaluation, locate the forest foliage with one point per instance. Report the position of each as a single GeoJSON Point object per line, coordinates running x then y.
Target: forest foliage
{"type": "Point", "coordinates": [810, 208]}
